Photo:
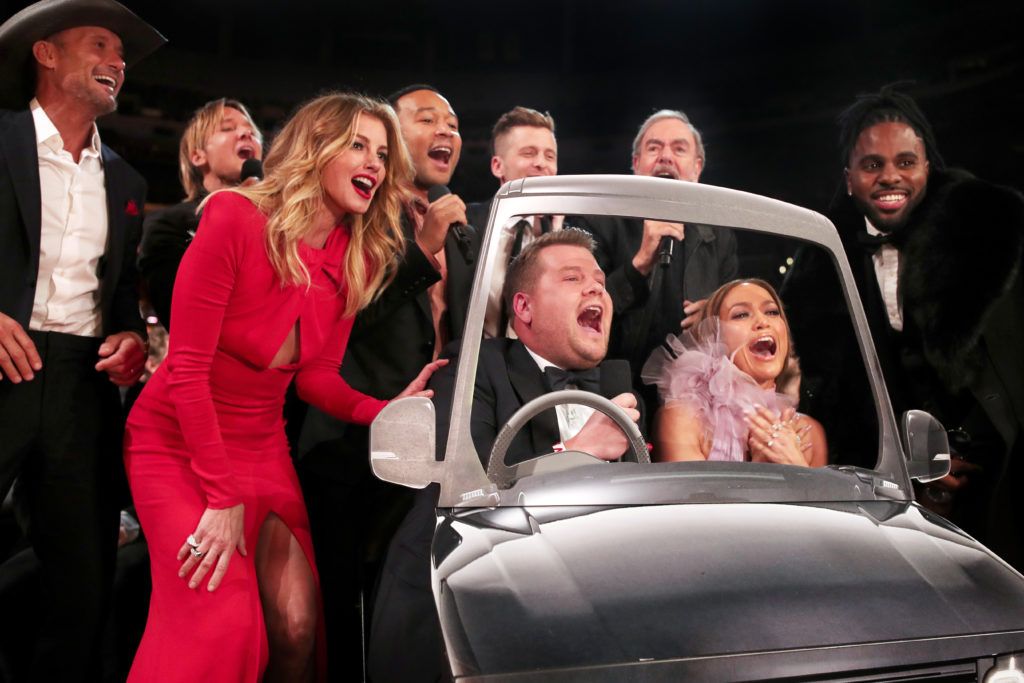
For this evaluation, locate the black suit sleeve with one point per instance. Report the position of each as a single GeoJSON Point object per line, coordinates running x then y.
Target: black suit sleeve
{"type": "Point", "coordinates": [442, 383]}
{"type": "Point", "coordinates": [728, 261]}
{"type": "Point", "coordinates": [415, 274]}
{"type": "Point", "coordinates": [165, 237]}
{"type": "Point", "coordinates": [483, 418]}
{"type": "Point", "coordinates": [125, 315]}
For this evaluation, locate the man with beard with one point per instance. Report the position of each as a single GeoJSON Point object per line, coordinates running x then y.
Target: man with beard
{"type": "Point", "coordinates": [218, 139]}
{"type": "Point", "coordinates": [936, 254]}
{"type": "Point", "coordinates": [70, 331]}
{"type": "Point", "coordinates": [561, 314]}
{"type": "Point", "coordinates": [655, 295]}
{"type": "Point", "coordinates": [404, 329]}
{"type": "Point", "coordinates": [524, 146]}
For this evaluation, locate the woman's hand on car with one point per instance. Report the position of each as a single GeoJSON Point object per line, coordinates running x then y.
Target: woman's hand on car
{"type": "Point", "coordinates": [418, 387]}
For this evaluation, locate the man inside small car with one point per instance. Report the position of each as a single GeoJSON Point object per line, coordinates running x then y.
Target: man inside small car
{"type": "Point", "coordinates": [562, 314]}
{"type": "Point", "coordinates": [560, 310]}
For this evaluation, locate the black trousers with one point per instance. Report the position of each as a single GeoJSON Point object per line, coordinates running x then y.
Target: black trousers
{"type": "Point", "coordinates": [59, 440]}
{"type": "Point", "coordinates": [352, 517]}
{"type": "Point", "coordinates": [406, 644]}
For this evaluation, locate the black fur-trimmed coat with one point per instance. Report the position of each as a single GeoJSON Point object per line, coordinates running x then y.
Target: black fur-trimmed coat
{"type": "Point", "coordinates": [961, 287]}
{"type": "Point", "coordinates": [960, 261]}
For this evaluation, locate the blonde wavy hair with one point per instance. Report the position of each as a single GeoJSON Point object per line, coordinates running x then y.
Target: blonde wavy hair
{"type": "Point", "coordinates": [201, 126]}
{"type": "Point", "coordinates": [291, 194]}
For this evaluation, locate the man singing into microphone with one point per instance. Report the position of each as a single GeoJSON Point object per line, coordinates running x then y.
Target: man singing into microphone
{"type": "Point", "coordinates": [421, 310]}
{"type": "Point", "coordinates": [660, 273]}
{"type": "Point", "coordinates": [220, 138]}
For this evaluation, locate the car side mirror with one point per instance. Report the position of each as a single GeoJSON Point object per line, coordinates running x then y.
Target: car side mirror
{"type": "Point", "coordinates": [927, 446]}
{"type": "Point", "coordinates": [402, 443]}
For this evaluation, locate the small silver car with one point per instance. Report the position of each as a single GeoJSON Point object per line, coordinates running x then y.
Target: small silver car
{"type": "Point", "coordinates": [564, 567]}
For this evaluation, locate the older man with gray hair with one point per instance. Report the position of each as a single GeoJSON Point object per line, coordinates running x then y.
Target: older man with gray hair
{"type": "Point", "coordinates": [658, 284]}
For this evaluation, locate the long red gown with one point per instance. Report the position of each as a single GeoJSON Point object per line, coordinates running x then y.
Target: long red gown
{"type": "Point", "coordinates": [207, 431]}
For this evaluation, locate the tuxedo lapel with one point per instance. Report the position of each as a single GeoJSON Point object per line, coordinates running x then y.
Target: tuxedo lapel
{"type": "Point", "coordinates": [117, 207]}
{"type": "Point", "coordinates": [696, 236]}
{"type": "Point", "coordinates": [528, 382]}
{"type": "Point", "coordinates": [19, 148]}
{"type": "Point", "coordinates": [423, 297]}
{"type": "Point", "coordinates": [457, 287]}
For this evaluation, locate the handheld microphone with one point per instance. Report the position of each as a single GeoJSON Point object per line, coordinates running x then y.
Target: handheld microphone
{"type": "Point", "coordinates": [251, 168]}
{"type": "Point", "coordinates": [462, 237]}
{"type": "Point", "coordinates": [665, 249]}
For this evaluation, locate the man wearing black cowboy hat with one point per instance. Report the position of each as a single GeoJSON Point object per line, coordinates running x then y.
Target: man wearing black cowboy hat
{"type": "Point", "coordinates": [70, 331]}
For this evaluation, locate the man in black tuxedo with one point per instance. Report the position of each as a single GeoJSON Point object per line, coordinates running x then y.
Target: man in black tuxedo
{"type": "Point", "coordinates": [937, 256]}
{"type": "Point", "coordinates": [70, 330]}
{"type": "Point", "coordinates": [562, 316]}
{"type": "Point", "coordinates": [655, 297]}
{"type": "Point", "coordinates": [392, 340]}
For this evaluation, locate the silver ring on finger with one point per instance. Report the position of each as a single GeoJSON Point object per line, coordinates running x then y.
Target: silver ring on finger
{"type": "Point", "coordinates": [771, 442]}
{"type": "Point", "coordinates": [191, 541]}
{"type": "Point", "coordinates": [196, 553]}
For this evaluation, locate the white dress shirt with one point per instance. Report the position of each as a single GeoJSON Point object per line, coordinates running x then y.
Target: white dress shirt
{"type": "Point", "coordinates": [74, 233]}
{"type": "Point", "coordinates": [572, 416]}
{"type": "Point", "coordinates": [887, 270]}
{"type": "Point", "coordinates": [492, 318]}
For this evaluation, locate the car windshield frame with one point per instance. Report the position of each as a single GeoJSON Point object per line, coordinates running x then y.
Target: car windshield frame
{"type": "Point", "coordinates": [464, 483]}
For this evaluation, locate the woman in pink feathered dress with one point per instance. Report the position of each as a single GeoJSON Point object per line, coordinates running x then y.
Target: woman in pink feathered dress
{"type": "Point", "coordinates": [722, 385]}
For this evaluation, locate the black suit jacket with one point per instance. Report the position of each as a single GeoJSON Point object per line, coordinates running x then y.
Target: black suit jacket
{"type": "Point", "coordinates": [705, 260]}
{"type": "Point", "coordinates": [507, 378]}
{"type": "Point", "coordinates": [166, 235]}
{"type": "Point", "coordinates": [393, 338]}
{"type": "Point", "coordinates": [21, 229]}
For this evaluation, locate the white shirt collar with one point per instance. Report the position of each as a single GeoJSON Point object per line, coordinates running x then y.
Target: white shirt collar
{"type": "Point", "coordinates": [542, 362]}
{"type": "Point", "coordinates": [47, 133]}
{"type": "Point", "coordinates": [872, 230]}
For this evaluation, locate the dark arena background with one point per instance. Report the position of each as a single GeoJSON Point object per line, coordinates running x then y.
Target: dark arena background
{"type": "Point", "coordinates": [762, 80]}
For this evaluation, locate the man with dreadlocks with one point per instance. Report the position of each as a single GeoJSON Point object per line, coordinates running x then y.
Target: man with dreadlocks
{"type": "Point", "coordinates": [936, 254]}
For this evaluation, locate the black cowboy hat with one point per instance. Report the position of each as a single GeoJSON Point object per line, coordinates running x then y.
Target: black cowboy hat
{"type": "Point", "coordinates": [46, 17]}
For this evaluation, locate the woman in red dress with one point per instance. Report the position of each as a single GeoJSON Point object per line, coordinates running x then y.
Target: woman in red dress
{"type": "Point", "coordinates": [266, 294]}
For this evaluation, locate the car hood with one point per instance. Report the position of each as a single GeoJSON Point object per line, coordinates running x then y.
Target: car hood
{"type": "Point", "coordinates": [520, 589]}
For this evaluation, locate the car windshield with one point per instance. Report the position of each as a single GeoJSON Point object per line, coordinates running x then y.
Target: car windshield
{"type": "Point", "coordinates": [715, 398]}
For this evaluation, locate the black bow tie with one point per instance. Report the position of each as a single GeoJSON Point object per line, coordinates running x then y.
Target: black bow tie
{"type": "Point", "coordinates": [872, 243]}
{"type": "Point", "coordinates": [587, 380]}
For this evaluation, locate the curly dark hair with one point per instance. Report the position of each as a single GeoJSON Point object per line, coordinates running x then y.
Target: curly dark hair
{"type": "Point", "coordinates": [887, 105]}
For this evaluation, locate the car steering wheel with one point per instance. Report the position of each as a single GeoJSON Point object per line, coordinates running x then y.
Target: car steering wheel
{"type": "Point", "coordinates": [503, 475]}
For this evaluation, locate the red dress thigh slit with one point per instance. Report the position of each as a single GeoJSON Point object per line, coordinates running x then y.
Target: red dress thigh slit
{"type": "Point", "coordinates": [207, 432]}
